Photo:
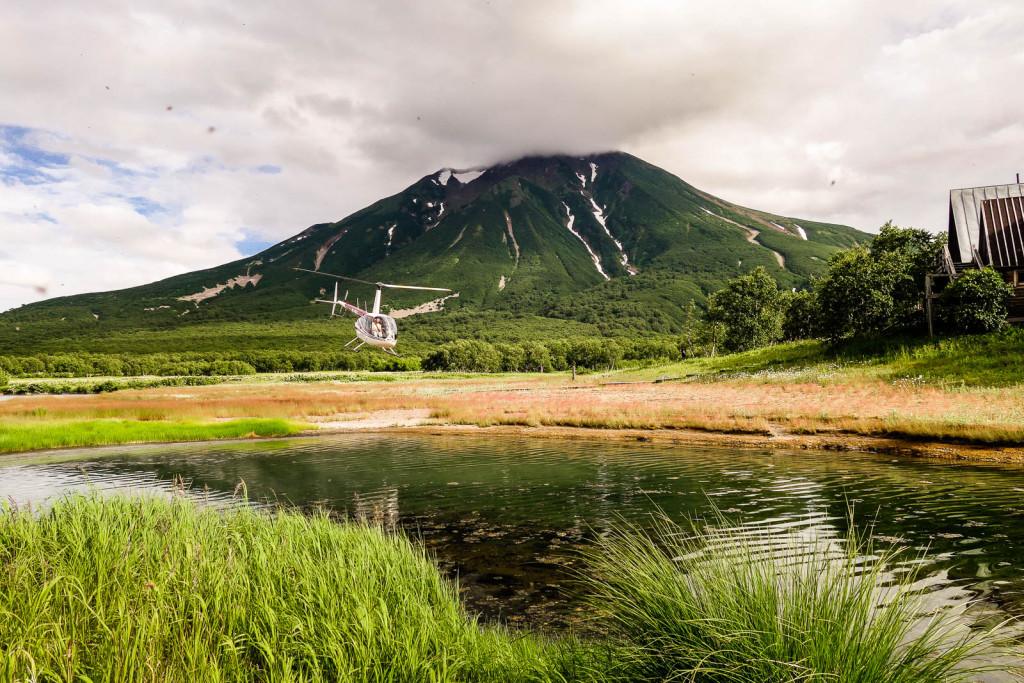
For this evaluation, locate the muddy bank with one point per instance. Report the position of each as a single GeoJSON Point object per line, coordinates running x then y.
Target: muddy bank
{"type": "Point", "coordinates": [419, 422]}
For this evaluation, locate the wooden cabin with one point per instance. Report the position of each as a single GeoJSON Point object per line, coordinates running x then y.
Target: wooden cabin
{"type": "Point", "coordinates": [986, 228]}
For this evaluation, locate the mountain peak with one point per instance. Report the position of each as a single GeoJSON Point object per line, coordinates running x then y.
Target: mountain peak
{"type": "Point", "coordinates": [557, 235]}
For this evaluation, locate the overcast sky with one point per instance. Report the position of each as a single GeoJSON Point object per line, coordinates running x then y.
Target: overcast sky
{"type": "Point", "coordinates": [143, 139]}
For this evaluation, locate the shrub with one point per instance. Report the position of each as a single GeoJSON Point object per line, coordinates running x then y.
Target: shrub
{"type": "Point", "coordinates": [974, 302]}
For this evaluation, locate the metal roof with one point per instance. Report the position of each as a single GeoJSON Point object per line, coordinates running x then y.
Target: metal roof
{"type": "Point", "coordinates": [988, 222]}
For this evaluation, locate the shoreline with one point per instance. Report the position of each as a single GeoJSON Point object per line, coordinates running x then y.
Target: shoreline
{"type": "Point", "coordinates": [398, 422]}
{"type": "Point", "coordinates": [779, 440]}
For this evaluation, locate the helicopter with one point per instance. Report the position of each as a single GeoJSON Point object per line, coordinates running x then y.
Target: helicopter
{"type": "Point", "coordinates": [372, 327]}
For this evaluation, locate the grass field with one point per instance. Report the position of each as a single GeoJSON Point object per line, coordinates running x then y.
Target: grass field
{"type": "Point", "coordinates": [965, 390]}
{"type": "Point", "coordinates": [30, 435]}
{"type": "Point", "coordinates": [164, 589]}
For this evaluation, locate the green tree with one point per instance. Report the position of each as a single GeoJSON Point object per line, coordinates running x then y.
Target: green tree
{"type": "Point", "coordinates": [536, 356]}
{"type": "Point", "coordinates": [691, 321]}
{"type": "Point", "coordinates": [750, 307]}
{"type": "Point", "coordinates": [974, 302]}
{"type": "Point", "coordinates": [230, 367]}
{"type": "Point", "coordinates": [464, 355]}
{"type": "Point", "coordinates": [869, 291]}
{"type": "Point", "coordinates": [855, 296]}
{"type": "Point", "coordinates": [800, 312]}
{"type": "Point", "coordinates": [513, 358]}
{"type": "Point", "coordinates": [710, 334]}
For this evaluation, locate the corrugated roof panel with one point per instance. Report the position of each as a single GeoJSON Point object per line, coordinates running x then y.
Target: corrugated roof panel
{"type": "Point", "coordinates": [1002, 241]}
{"type": "Point", "coordinates": [1003, 232]}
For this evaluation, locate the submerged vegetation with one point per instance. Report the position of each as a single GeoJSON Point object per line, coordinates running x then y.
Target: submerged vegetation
{"type": "Point", "coordinates": [165, 589]}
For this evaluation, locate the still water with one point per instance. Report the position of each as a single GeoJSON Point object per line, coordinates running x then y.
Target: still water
{"type": "Point", "coordinates": [508, 516]}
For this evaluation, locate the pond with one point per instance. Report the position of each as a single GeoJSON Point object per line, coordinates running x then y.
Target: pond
{"type": "Point", "coordinates": [508, 516]}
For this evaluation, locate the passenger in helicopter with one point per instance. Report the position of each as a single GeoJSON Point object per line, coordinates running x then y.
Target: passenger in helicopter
{"type": "Point", "coordinates": [377, 327]}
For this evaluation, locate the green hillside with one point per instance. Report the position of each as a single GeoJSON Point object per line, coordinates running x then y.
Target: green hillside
{"type": "Point", "coordinates": [499, 238]}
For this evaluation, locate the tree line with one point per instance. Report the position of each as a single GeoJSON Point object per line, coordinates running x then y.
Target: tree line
{"type": "Point", "coordinates": [867, 291]}
{"type": "Point", "coordinates": [213, 363]}
{"type": "Point", "coordinates": [472, 355]}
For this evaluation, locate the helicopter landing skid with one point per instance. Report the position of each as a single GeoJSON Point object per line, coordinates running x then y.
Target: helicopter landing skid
{"type": "Point", "coordinates": [355, 348]}
{"type": "Point", "coordinates": [391, 351]}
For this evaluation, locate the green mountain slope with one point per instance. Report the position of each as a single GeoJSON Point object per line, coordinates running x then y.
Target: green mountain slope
{"type": "Point", "coordinates": [606, 240]}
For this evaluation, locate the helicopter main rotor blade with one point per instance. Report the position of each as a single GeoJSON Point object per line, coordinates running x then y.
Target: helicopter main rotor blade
{"type": "Point", "coordinates": [429, 289]}
{"type": "Point", "coordinates": [374, 284]}
{"type": "Point", "coordinates": [340, 277]}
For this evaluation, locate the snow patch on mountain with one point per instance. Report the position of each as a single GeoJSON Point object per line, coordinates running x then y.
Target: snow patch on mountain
{"type": "Point", "coordinates": [210, 292]}
{"type": "Point", "coordinates": [391, 235]}
{"type": "Point", "coordinates": [803, 233]}
{"type": "Point", "coordinates": [464, 175]}
{"type": "Point", "coordinates": [321, 252]}
{"type": "Point", "coordinates": [437, 218]}
{"type": "Point", "coordinates": [599, 216]}
{"type": "Point", "coordinates": [594, 256]}
{"type": "Point", "coordinates": [512, 235]}
{"type": "Point", "coordinates": [429, 307]}
{"type": "Point", "coordinates": [593, 171]}
{"type": "Point", "coordinates": [468, 176]}
{"type": "Point", "coordinates": [461, 233]}
{"type": "Point", "coordinates": [502, 282]}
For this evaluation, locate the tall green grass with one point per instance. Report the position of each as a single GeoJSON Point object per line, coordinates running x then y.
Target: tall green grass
{"type": "Point", "coordinates": [151, 589]}
{"type": "Point", "coordinates": [164, 589]}
{"type": "Point", "coordinates": [739, 604]}
{"type": "Point", "coordinates": [29, 436]}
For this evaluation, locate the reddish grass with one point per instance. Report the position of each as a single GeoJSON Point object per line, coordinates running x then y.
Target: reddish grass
{"type": "Point", "coordinates": [748, 406]}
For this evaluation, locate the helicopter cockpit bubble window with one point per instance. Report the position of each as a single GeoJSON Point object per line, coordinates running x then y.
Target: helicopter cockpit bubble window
{"type": "Point", "coordinates": [379, 326]}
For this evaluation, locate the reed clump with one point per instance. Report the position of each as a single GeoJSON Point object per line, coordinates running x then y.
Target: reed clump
{"type": "Point", "coordinates": [162, 589]}
{"type": "Point", "coordinates": [727, 603]}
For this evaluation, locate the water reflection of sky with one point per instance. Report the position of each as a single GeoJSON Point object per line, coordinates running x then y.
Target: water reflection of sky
{"type": "Point", "coordinates": [518, 509]}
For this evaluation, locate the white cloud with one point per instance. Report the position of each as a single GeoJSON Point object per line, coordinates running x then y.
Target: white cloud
{"type": "Point", "coordinates": [763, 105]}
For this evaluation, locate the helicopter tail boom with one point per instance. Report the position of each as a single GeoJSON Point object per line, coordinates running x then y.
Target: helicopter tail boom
{"type": "Point", "coordinates": [339, 302]}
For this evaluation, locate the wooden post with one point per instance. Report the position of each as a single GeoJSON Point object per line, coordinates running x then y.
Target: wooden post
{"type": "Point", "coordinates": [928, 303]}
{"type": "Point", "coordinates": [573, 372]}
